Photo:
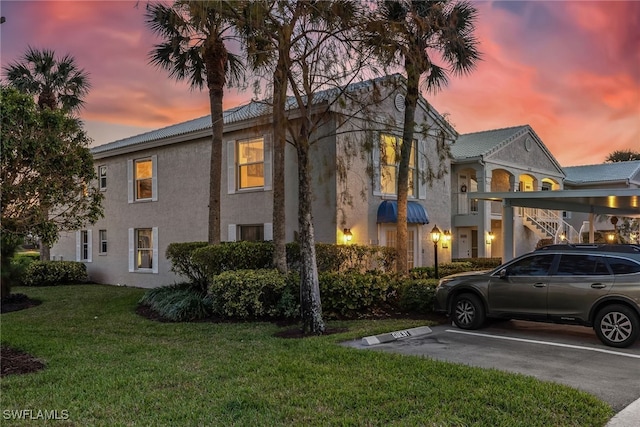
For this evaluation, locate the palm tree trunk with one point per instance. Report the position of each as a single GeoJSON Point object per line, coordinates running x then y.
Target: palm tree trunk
{"type": "Point", "coordinates": [311, 305]}
{"type": "Point", "coordinates": [411, 100]}
{"type": "Point", "coordinates": [215, 57]}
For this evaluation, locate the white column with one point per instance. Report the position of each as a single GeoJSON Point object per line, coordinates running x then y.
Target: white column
{"type": "Point", "coordinates": [507, 232]}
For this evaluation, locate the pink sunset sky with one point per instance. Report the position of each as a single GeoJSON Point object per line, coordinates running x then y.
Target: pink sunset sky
{"type": "Point", "coordinates": [570, 69]}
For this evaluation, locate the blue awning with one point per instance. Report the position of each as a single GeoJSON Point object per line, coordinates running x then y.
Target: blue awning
{"type": "Point", "coordinates": [388, 212]}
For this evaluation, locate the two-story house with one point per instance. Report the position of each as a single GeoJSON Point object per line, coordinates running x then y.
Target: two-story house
{"type": "Point", "coordinates": [156, 185]}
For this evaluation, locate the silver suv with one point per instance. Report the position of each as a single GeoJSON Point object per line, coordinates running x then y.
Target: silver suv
{"type": "Point", "coordinates": [590, 285]}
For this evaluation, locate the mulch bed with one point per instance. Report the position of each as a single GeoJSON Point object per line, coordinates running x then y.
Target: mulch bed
{"type": "Point", "coordinates": [14, 361]}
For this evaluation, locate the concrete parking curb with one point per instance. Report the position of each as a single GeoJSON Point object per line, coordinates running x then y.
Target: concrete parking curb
{"type": "Point", "coordinates": [628, 417]}
{"type": "Point", "coordinates": [392, 336]}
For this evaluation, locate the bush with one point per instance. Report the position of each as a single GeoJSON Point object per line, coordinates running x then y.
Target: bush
{"type": "Point", "coordinates": [52, 273]}
{"type": "Point", "coordinates": [337, 258]}
{"type": "Point", "coordinates": [481, 263]}
{"type": "Point", "coordinates": [349, 295]}
{"type": "Point", "coordinates": [178, 303]}
{"type": "Point", "coordinates": [417, 295]}
{"type": "Point", "coordinates": [253, 294]}
{"type": "Point", "coordinates": [182, 263]}
{"type": "Point", "coordinates": [215, 259]}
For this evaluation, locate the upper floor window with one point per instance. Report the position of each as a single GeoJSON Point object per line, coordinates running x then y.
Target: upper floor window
{"type": "Point", "coordinates": [390, 147]}
{"type": "Point", "coordinates": [102, 176]}
{"type": "Point", "coordinates": [251, 163]}
{"type": "Point", "coordinates": [143, 179]}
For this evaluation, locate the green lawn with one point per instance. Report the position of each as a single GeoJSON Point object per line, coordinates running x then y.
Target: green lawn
{"type": "Point", "coordinates": [106, 366]}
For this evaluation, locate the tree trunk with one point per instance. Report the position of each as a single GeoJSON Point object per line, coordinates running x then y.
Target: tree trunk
{"type": "Point", "coordinates": [279, 142]}
{"type": "Point", "coordinates": [411, 99]}
{"type": "Point", "coordinates": [311, 306]}
{"type": "Point", "coordinates": [215, 57]}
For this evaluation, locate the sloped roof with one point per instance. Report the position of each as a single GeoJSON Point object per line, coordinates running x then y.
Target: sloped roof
{"type": "Point", "coordinates": [480, 144]}
{"type": "Point", "coordinates": [250, 111]}
{"type": "Point", "coordinates": [602, 173]}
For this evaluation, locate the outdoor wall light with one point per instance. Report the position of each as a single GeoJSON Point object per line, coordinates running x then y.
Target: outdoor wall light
{"type": "Point", "coordinates": [347, 235]}
{"type": "Point", "coordinates": [490, 237]}
{"type": "Point", "coordinates": [446, 238]}
{"type": "Point", "coordinates": [611, 237]}
{"type": "Point", "coordinates": [563, 236]}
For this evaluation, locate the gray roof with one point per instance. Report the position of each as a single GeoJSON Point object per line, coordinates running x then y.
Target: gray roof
{"type": "Point", "coordinates": [605, 172]}
{"type": "Point", "coordinates": [250, 111]}
{"type": "Point", "coordinates": [479, 144]}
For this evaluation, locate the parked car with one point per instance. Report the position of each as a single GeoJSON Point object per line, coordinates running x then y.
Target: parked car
{"type": "Point", "coordinates": [590, 285]}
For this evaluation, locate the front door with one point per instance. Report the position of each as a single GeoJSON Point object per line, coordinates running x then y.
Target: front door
{"type": "Point", "coordinates": [389, 239]}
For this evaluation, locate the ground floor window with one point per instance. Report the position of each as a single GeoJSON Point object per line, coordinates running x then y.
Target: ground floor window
{"type": "Point", "coordinates": [103, 241]}
{"type": "Point", "coordinates": [143, 249]}
{"type": "Point", "coordinates": [251, 233]}
{"type": "Point", "coordinates": [83, 245]}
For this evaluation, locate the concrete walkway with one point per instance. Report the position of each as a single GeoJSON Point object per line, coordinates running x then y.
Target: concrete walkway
{"type": "Point", "coordinates": [628, 417]}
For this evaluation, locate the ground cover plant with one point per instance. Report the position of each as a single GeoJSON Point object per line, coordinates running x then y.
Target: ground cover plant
{"type": "Point", "coordinates": [107, 366]}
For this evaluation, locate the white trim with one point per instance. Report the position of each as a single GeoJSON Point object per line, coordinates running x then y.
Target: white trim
{"type": "Point", "coordinates": [231, 167]}
{"type": "Point", "coordinates": [268, 231]}
{"type": "Point", "coordinates": [130, 180]}
{"type": "Point", "coordinates": [89, 246]}
{"type": "Point", "coordinates": [154, 243]}
{"type": "Point", "coordinates": [232, 233]}
{"type": "Point", "coordinates": [375, 160]}
{"type": "Point", "coordinates": [78, 245]}
{"type": "Point", "coordinates": [132, 255]}
{"type": "Point", "coordinates": [421, 154]}
{"type": "Point", "coordinates": [154, 178]}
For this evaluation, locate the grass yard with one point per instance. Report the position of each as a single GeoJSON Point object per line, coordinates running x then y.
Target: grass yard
{"type": "Point", "coordinates": [107, 366]}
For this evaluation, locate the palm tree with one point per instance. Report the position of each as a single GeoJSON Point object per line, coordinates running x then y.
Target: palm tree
{"type": "Point", "coordinates": [414, 34]}
{"type": "Point", "coordinates": [194, 34]}
{"type": "Point", "coordinates": [56, 83]}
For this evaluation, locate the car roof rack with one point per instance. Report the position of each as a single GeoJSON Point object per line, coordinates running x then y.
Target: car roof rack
{"type": "Point", "coordinates": [598, 247]}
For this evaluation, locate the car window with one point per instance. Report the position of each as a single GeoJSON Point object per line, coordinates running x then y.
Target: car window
{"type": "Point", "coordinates": [535, 265]}
{"type": "Point", "coordinates": [623, 266]}
{"type": "Point", "coordinates": [582, 265]}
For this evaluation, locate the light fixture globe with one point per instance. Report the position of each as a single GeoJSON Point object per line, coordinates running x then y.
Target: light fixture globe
{"type": "Point", "coordinates": [435, 234]}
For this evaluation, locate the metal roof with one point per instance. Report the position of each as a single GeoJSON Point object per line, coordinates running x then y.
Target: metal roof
{"type": "Point", "coordinates": [479, 144]}
{"type": "Point", "coordinates": [602, 173]}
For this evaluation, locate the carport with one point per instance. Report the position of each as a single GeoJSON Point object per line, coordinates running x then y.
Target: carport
{"type": "Point", "coordinates": [620, 202]}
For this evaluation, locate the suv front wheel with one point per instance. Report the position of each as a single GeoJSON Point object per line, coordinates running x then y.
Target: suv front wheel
{"type": "Point", "coordinates": [617, 325]}
{"type": "Point", "coordinates": [468, 312]}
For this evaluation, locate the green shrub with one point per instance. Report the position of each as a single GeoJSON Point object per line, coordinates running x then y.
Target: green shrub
{"type": "Point", "coordinates": [338, 258]}
{"type": "Point", "coordinates": [51, 273]}
{"type": "Point", "coordinates": [178, 303]}
{"type": "Point", "coordinates": [182, 263]}
{"type": "Point", "coordinates": [349, 295]}
{"type": "Point", "coordinates": [215, 259]}
{"type": "Point", "coordinates": [253, 294]}
{"type": "Point", "coordinates": [417, 295]}
{"type": "Point", "coordinates": [19, 264]}
{"type": "Point", "coordinates": [481, 263]}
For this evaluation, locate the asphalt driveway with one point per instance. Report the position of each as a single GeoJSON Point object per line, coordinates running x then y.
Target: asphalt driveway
{"type": "Point", "coordinates": [570, 355]}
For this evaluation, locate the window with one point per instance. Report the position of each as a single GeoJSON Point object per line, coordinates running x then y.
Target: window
{"type": "Point", "coordinates": [143, 250]}
{"type": "Point", "coordinates": [250, 163]}
{"type": "Point", "coordinates": [582, 265]}
{"type": "Point", "coordinates": [252, 233]}
{"type": "Point", "coordinates": [390, 147]}
{"type": "Point", "coordinates": [391, 239]}
{"type": "Point", "coordinates": [102, 234]}
{"type": "Point", "coordinates": [143, 179]}
{"type": "Point", "coordinates": [83, 246]}
{"type": "Point", "coordinates": [623, 266]}
{"type": "Point", "coordinates": [536, 265]}
{"type": "Point", "coordinates": [102, 176]}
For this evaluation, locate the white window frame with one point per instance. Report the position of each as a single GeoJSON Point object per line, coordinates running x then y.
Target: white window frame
{"type": "Point", "coordinates": [102, 177]}
{"type": "Point", "coordinates": [81, 244]}
{"type": "Point", "coordinates": [131, 179]}
{"type": "Point", "coordinates": [102, 242]}
{"type": "Point", "coordinates": [233, 179]}
{"type": "Point", "coordinates": [133, 250]}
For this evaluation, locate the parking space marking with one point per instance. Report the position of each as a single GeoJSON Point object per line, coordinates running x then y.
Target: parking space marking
{"type": "Point", "coordinates": [578, 347]}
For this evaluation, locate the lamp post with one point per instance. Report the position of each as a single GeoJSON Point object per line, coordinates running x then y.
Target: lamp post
{"type": "Point", "coordinates": [435, 238]}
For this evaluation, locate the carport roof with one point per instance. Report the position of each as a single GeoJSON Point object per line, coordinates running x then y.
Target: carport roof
{"type": "Point", "coordinates": [622, 202]}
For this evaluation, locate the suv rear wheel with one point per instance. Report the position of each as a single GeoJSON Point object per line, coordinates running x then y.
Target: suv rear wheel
{"type": "Point", "coordinates": [617, 325]}
{"type": "Point", "coordinates": [468, 312]}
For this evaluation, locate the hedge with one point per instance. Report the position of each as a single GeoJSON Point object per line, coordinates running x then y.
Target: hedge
{"type": "Point", "coordinates": [51, 273]}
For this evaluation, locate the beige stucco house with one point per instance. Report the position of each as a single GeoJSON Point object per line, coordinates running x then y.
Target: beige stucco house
{"type": "Point", "coordinates": [156, 185]}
